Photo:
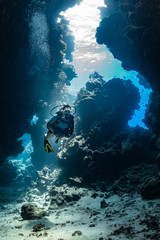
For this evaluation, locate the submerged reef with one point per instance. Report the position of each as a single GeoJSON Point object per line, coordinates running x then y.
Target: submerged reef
{"type": "Point", "coordinates": [104, 144]}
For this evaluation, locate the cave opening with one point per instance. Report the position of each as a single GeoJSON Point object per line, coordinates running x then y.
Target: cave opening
{"type": "Point", "coordinates": [89, 56]}
{"type": "Point", "coordinates": [86, 57]}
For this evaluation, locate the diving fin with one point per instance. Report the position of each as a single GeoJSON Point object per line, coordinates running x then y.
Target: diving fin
{"type": "Point", "coordinates": [48, 146]}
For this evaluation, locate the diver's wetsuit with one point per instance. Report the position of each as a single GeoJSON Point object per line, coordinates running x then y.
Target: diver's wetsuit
{"type": "Point", "coordinates": [60, 126]}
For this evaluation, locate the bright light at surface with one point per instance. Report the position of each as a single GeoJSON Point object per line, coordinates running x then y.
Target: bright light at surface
{"type": "Point", "coordinates": [83, 21]}
{"type": "Point", "coordinates": [89, 56]}
{"type": "Point", "coordinates": [82, 18]}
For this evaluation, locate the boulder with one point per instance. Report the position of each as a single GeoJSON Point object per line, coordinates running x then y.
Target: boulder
{"type": "Point", "coordinates": [30, 211]}
{"type": "Point", "coordinates": [103, 204]}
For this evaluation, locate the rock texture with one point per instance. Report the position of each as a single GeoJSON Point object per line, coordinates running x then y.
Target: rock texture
{"type": "Point", "coordinates": [104, 145]}
{"type": "Point", "coordinates": [28, 72]}
{"type": "Point", "coordinates": [64, 196]}
{"type": "Point", "coordinates": [119, 208]}
{"type": "Point", "coordinates": [30, 211]}
{"type": "Point", "coordinates": [151, 189]}
{"type": "Point", "coordinates": [131, 32]}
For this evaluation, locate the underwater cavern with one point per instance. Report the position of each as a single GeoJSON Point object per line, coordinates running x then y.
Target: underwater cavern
{"type": "Point", "coordinates": [99, 62]}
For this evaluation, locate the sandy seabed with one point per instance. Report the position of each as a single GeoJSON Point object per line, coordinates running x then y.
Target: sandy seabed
{"type": "Point", "coordinates": [96, 216]}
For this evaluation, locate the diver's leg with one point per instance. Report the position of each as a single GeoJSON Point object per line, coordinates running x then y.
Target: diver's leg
{"type": "Point", "coordinates": [57, 139]}
{"type": "Point", "coordinates": [49, 135]}
{"type": "Point", "coordinates": [58, 136]}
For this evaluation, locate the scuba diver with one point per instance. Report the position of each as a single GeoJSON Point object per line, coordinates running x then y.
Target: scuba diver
{"type": "Point", "coordinates": [60, 125]}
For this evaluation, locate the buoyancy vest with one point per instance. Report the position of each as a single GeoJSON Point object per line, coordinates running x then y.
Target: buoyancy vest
{"type": "Point", "coordinates": [62, 124]}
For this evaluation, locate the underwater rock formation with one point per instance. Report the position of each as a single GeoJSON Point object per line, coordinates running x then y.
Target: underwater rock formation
{"type": "Point", "coordinates": [104, 145]}
{"type": "Point", "coordinates": [13, 38]}
{"type": "Point", "coordinates": [32, 46]}
{"type": "Point", "coordinates": [151, 189]}
{"type": "Point", "coordinates": [132, 32]}
{"type": "Point", "coordinates": [7, 169]}
{"type": "Point", "coordinates": [64, 195]}
{"type": "Point", "coordinates": [133, 179]}
{"type": "Point", "coordinates": [105, 107]}
{"type": "Point", "coordinates": [30, 211]}
{"type": "Point", "coordinates": [152, 115]}
{"type": "Point", "coordinates": [46, 177]}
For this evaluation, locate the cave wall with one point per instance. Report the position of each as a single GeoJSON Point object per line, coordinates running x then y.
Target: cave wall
{"type": "Point", "coordinates": [27, 78]}
{"type": "Point", "coordinates": [131, 31]}
{"type": "Point", "coordinates": [14, 39]}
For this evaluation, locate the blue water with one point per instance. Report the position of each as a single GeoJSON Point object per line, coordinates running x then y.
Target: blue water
{"type": "Point", "coordinates": [34, 120]}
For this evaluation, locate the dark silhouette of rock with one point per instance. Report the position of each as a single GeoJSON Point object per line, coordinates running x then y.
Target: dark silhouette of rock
{"type": "Point", "coordinates": [151, 189]}
{"type": "Point", "coordinates": [7, 173]}
{"type": "Point", "coordinates": [103, 204]}
{"type": "Point", "coordinates": [104, 145]}
{"type": "Point", "coordinates": [152, 115]}
{"type": "Point", "coordinates": [132, 179]}
{"type": "Point", "coordinates": [26, 76]}
{"type": "Point", "coordinates": [132, 32]}
{"type": "Point", "coordinates": [101, 102]}
{"type": "Point", "coordinates": [77, 233]}
{"type": "Point", "coordinates": [38, 227]}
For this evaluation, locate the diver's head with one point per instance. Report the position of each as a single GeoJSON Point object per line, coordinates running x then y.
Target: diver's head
{"type": "Point", "coordinates": [67, 112]}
